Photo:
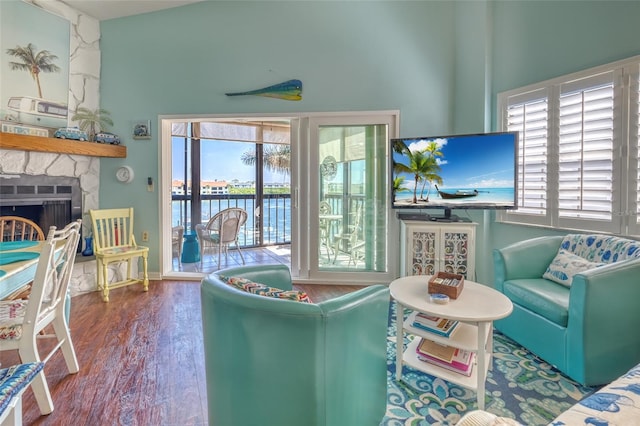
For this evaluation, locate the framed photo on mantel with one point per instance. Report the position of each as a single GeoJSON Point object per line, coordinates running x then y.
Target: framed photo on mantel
{"type": "Point", "coordinates": [142, 129]}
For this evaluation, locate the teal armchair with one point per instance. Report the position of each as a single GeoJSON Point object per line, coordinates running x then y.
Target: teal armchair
{"type": "Point", "coordinates": [589, 330]}
{"type": "Point", "coordinates": [282, 362]}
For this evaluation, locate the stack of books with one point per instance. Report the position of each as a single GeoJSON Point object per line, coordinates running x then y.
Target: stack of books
{"type": "Point", "coordinates": [453, 359]}
{"type": "Point", "coordinates": [440, 326]}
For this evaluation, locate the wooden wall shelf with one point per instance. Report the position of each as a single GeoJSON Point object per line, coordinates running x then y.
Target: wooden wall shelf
{"type": "Point", "coordinates": [60, 146]}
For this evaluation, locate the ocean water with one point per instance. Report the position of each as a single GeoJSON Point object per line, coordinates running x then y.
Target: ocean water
{"type": "Point", "coordinates": [276, 218]}
{"type": "Point", "coordinates": [497, 196]}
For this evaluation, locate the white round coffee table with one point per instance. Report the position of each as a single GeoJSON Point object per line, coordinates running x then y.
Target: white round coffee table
{"type": "Point", "coordinates": [475, 308]}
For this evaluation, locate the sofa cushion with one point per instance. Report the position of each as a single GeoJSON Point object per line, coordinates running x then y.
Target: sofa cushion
{"type": "Point", "coordinates": [618, 403]}
{"type": "Point", "coordinates": [565, 265]}
{"type": "Point", "coordinates": [249, 286]}
{"type": "Point", "coordinates": [601, 248]}
{"type": "Point", "coordinates": [541, 296]}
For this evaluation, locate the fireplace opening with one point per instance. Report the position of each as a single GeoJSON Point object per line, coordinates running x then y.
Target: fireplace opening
{"type": "Point", "coordinates": [46, 200]}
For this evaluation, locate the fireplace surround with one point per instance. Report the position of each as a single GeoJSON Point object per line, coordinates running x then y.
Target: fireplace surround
{"type": "Point", "coordinates": [46, 200]}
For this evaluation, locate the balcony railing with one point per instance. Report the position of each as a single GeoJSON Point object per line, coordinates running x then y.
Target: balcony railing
{"type": "Point", "coordinates": [275, 214]}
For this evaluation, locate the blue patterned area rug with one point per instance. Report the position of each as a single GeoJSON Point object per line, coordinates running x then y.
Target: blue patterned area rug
{"type": "Point", "coordinates": [520, 386]}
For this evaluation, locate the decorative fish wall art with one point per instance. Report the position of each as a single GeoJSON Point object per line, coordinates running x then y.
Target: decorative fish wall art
{"type": "Point", "coordinates": [289, 90]}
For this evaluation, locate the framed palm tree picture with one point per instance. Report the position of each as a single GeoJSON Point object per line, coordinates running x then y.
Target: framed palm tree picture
{"type": "Point", "coordinates": [34, 58]}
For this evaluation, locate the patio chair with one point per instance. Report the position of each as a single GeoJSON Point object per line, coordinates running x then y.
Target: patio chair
{"type": "Point", "coordinates": [114, 243]}
{"type": "Point", "coordinates": [354, 245]}
{"type": "Point", "coordinates": [16, 228]}
{"type": "Point", "coordinates": [177, 233]}
{"type": "Point", "coordinates": [221, 231]}
{"type": "Point", "coordinates": [21, 321]}
{"type": "Point", "coordinates": [324, 227]}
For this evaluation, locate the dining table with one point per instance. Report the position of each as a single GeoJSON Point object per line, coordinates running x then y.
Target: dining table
{"type": "Point", "coordinates": [18, 265]}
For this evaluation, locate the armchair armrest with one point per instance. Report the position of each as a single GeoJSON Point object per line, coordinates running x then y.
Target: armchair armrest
{"type": "Point", "coordinates": [604, 319]}
{"type": "Point", "coordinates": [355, 346]}
{"type": "Point", "coordinates": [525, 259]}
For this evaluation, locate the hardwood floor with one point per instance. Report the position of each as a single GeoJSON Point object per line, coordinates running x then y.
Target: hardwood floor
{"type": "Point", "coordinates": [141, 358]}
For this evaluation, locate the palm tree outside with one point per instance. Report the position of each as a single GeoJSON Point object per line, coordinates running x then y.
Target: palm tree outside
{"type": "Point", "coordinates": [275, 158]}
{"type": "Point", "coordinates": [34, 63]}
{"type": "Point", "coordinates": [92, 121]}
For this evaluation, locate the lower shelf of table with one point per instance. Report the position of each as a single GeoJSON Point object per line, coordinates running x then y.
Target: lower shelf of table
{"type": "Point", "coordinates": [410, 358]}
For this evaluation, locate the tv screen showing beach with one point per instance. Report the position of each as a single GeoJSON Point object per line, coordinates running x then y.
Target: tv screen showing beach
{"type": "Point", "coordinates": [464, 171]}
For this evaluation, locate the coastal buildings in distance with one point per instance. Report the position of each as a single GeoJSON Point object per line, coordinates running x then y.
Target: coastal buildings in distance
{"type": "Point", "coordinates": [216, 187]}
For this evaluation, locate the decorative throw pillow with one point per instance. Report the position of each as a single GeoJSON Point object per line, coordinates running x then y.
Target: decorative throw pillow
{"type": "Point", "coordinates": [249, 286]}
{"type": "Point", "coordinates": [565, 265]}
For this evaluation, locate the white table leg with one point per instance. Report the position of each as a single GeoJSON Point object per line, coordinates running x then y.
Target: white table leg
{"type": "Point", "coordinates": [482, 361]}
{"type": "Point", "coordinates": [399, 339]}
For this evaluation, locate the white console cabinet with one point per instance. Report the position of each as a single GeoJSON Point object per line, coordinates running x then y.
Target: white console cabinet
{"type": "Point", "coordinates": [430, 247]}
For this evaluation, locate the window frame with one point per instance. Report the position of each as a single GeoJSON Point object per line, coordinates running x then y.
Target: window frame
{"type": "Point", "coordinates": [625, 189]}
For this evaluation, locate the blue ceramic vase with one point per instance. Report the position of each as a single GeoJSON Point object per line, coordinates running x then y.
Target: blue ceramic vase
{"type": "Point", "coordinates": [88, 246]}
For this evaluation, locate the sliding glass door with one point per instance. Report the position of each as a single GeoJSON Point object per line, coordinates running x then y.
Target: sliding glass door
{"type": "Point", "coordinates": [347, 192]}
{"type": "Point", "coordinates": [318, 182]}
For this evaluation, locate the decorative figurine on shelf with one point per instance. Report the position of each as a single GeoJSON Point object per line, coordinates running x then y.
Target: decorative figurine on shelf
{"type": "Point", "coordinates": [88, 246]}
{"type": "Point", "coordinates": [92, 121]}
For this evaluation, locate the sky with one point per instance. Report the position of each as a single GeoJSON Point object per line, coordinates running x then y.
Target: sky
{"type": "Point", "coordinates": [221, 161]}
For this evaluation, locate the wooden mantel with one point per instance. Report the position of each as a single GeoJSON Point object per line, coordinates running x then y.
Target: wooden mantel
{"type": "Point", "coordinates": [60, 146]}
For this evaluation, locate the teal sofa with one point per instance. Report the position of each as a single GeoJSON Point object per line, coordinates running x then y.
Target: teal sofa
{"type": "Point", "coordinates": [590, 330]}
{"type": "Point", "coordinates": [281, 362]}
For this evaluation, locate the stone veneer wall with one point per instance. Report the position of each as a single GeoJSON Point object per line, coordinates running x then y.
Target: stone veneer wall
{"type": "Point", "coordinates": [84, 90]}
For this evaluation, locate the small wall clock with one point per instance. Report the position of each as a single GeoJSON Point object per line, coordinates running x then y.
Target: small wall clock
{"type": "Point", "coordinates": [124, 174]}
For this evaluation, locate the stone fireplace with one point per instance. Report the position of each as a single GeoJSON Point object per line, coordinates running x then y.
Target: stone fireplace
{"type": "Point", "coordinates": [62, 184]}
{"type": "Point", "coordinates": [46, 200]}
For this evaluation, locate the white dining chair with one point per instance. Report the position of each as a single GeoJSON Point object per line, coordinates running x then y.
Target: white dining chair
{"type": "Point", "coordinates": [21, 321]}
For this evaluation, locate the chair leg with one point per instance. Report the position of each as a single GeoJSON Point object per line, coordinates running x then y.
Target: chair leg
{"type": "Point", "coordinates": [240, 251]}
{"type": "Point", "coordinates": [29, 353]}
{"type": "Point", "coordinates": [145, 274]}
{"type": "Point", "coordinates": [63, 335]}
{"type": "Point", "coordinates": [14, 416]}
{"type": "Point", "coordinates": [42, 394]}
{"type": "Point", "coordinates": [105, 280]}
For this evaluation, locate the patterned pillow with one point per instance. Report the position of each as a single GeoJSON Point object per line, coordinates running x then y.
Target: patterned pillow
{"type": "Point", "coordinates": [11, 318]}
{"type": "Point", "coordinates": [249, 286]}
{"type": "Point", "coordinates": [565, 265]}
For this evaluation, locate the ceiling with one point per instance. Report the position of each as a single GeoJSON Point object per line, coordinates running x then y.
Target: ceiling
{"type": "Point", "coordinates": [109, 9]}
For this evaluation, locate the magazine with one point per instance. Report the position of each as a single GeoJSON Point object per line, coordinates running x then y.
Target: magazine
{"type": "Point", "coordinates": [440, 326]}
{"type": "Point", "coordinates": [462, 361]}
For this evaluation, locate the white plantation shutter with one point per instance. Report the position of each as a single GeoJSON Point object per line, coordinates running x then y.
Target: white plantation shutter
{"type": "Point", "coordinates": [585, 150]}
{"type": "Point", "coordinates": [528, 115]}
{"type": "Point", "coordinates": [579, 155]}
{"type": "Point", "coordinates": [634, 152]}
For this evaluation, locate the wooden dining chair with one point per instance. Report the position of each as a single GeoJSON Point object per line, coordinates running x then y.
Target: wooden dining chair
{"type": "Point", "coordinates": [16, 228]}
{"type": "Point", "coordinates": [21, 321]}
{"type": "Point", "coordinates": [114, 242]}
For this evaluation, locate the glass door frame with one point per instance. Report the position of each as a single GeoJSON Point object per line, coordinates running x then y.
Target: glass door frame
{"type": "Point", "coordinates": [304, 186]}
{"type": "Point", "coordinates": [305, 174]}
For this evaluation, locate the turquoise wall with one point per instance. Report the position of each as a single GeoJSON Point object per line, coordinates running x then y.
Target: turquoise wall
{"type": "Point", "coordinates": [440, 63]}
{"type": "Point", "coordinates": [349, 56]}
{"type": "Point", "coordinates": [535, 41]}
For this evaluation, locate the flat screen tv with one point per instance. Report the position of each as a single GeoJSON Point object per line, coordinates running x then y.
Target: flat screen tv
{"type": "Point", "coordinates": [454, 172]}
